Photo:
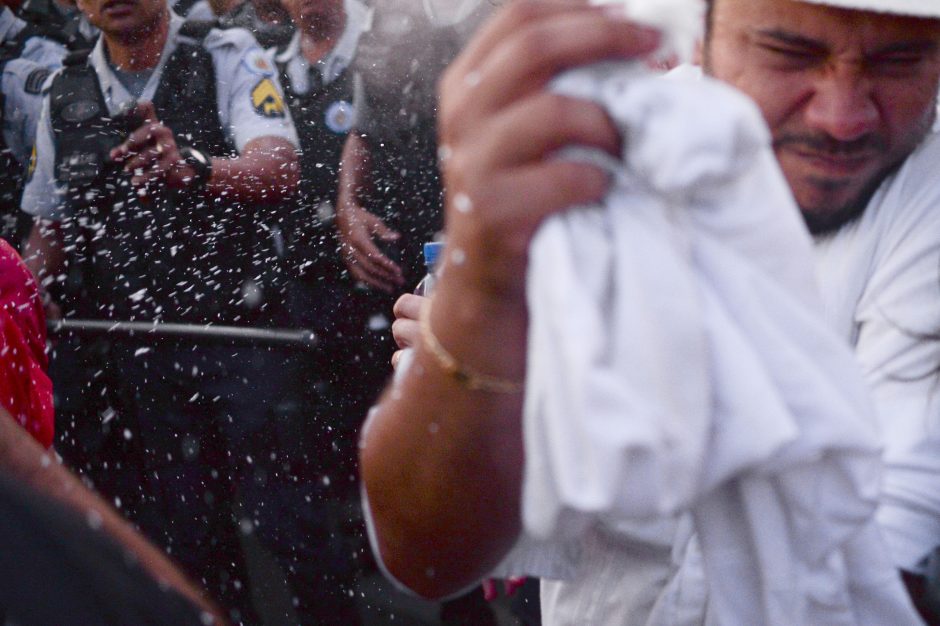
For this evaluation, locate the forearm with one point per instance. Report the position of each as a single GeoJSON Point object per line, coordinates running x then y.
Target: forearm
{"type": "Point", "coordinates": [354, 179]}
{"type": "Point", "coordinates": [267, 171]}
{"type": "Point", "coordinates": [442, 465]}
{"type": "Point", "coordinates": [26, 461]}
{"type": "Point", "coordinates": [44, 253]}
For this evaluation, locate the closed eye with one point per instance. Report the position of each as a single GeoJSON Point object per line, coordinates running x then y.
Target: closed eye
{"type": "Point", "coordinates": [796, 57]}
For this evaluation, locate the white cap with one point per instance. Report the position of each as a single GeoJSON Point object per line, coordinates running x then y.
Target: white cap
{"type": "Point", "coordinates": [915, 8]}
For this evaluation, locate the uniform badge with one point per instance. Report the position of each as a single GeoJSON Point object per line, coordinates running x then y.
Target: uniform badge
{"type": "Point", "coordinates": [258, 63]}
{"type": "Point", "coordinates": [32, 165]}
{"type": "Point", "coordinates": [80, 111]}
{"type": "Point", "coordinates": [267, 99]}
{"type": "Point", "coordinates": [340, 117]}
{"type": "Point", "coordinates": [36, 79]}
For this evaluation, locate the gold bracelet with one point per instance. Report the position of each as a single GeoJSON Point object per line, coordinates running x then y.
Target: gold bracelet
{"type": "Point", "coordinates": [464, 376]}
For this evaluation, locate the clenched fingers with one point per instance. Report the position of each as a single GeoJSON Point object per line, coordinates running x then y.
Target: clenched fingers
{"type": "Point", "coordinates": [524, 60]}
{"type": "Point", "coordinates": [550, 122]}
{"type": "Point", "coordinates": [408, 307]}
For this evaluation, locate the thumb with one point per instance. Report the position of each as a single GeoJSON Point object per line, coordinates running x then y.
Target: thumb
{"type": "Point", "coordinates": [383, 232]}
{"type": "Point", "coordinates": [146, 111]}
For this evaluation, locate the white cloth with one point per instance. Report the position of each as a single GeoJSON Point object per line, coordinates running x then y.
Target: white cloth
{"type": "Point", "coordinates": [678, 361]}
{"type": "Point", "coordinates": [241, 68]}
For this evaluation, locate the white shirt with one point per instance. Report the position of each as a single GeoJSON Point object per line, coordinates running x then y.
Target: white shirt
{"type": "Point", "coordinates": [880, 282]}
{"type": "Point", "coordinates": [241, 68]}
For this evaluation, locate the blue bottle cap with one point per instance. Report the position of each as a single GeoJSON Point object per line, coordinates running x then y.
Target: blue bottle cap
{"type": "Point", "coordinates": [432, 250]}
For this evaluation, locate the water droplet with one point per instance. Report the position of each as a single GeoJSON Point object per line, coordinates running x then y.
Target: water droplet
{"type": "Point", "coordinates": [462, 203]}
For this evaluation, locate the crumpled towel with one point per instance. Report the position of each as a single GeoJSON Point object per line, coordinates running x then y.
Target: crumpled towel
{"type": "Point", "coordinates": [678, 362]}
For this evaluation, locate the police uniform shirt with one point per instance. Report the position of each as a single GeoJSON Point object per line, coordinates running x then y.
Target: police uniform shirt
{"type": "Point", "coordinates": [250, 105]}
{"type": "Point", "coordinates": [10, 25]}
{"type": "Point", "coordinates": [22, 83]}
{"type": "Point", "coordinates": [327, 69]}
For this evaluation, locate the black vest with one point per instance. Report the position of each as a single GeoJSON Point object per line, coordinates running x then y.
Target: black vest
{"type": "Point", "coordinates": [178, 257]}
{"type": "Point", "coordinates": [322, 119]}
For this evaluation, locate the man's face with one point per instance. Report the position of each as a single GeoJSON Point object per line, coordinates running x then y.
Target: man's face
{"type": "Point", "coordinates": [847, 94]}
{"type": "Point", "coordinates": [311, 15]}
{"type": "Point", "coordinates": [124, 19]}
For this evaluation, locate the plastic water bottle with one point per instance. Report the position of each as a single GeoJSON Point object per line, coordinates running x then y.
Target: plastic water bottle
{"type": "Point", "coordinates": [432, 251]}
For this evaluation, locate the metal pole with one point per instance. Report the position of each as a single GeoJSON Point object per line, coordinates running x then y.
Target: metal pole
{"type": "Point", "coordinates": [279, 337]}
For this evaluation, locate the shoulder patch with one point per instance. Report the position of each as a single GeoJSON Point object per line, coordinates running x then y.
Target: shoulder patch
{"type": "Point", "coordinates": [257, 62]}
{"type": "Point", "coordinates": [32, 164]}
{"type": "Point", "coordinates": [340, 117]}
{"type": "Point", "coordinates": [35, 80]}
{"type": "Point", "coordinates": [267, 100]}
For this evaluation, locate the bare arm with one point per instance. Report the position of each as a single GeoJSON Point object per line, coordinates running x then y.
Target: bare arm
{"type": "Point", "coordinates": [355, 162]}
{"type": "Point", "coordinates": [44, 255]}
{"type": "Point", "coordinates": [27, 462]}
{"type": "Point", "coordinates": [267, 170]}
{"type": "Point", "coordinates": [357, 227]}
{"type": "Point", "coordinates": [442, 464]}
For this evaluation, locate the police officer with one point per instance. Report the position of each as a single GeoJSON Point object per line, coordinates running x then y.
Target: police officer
{"type": "Point", "coordinates": [318, 85]}
{"type": "Point", "coordinates": [154, 204]}
{"type": "Point", "coordinates": [26, 60]}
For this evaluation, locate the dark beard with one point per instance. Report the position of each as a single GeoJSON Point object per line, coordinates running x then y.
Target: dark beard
{"type": "Point", "coordinates": [828, 222]}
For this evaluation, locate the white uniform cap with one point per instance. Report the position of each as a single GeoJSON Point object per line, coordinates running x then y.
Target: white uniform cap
{"type": "Point", "coordinates": [916, 8]}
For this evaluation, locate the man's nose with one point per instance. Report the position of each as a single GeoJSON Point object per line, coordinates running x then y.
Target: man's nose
{"type": "Point", "coordinates": [843, 105]}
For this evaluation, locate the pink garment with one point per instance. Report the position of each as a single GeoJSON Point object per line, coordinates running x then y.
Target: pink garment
{"type": "Point", "coordinates": [25, 388]}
